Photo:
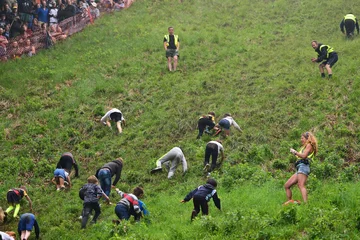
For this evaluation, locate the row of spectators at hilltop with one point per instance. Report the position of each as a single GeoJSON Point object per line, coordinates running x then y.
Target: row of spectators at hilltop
{"type": "Point", "coordinates": [22, 20]}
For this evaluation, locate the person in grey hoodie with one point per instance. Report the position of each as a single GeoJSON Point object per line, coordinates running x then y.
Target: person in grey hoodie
{"type": "Point", "coordinates": [171, 159]}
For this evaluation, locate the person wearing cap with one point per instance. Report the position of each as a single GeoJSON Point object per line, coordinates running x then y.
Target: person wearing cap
{"type": "Point", "coordinates": [67, 161]}
{"type": "Point", "coordinates": [114, 115]}
{"type": "Point", "coordinates": [171, 159]}
{"type": "Point", "coordinates": [94, 10]}
{"type": "Point", "coordinates": [213, 149]}
{"type": "Point", "coordinates": [106, 172]}
{"type": "Point", "coordinates": [26, 223]}
{"type": "Point", "coordinates": [14, 197]}
{"type": "Point", "coordinates": [171, 46]}
{"type": "Point", "coordinates": [225, 123]}
{"type": "Point", "coordinates": [201, 196]}
{"type": "Point", "coordinates": [350, 22]}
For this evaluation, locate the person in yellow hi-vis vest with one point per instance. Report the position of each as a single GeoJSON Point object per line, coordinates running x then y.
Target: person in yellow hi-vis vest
{"type": "Point", "coordinates": [304, 157]}
{"type": "Point", "coordinates": [326, 55]}
{"type": "Point", "coordinates": [350, 22]}
{"type": "Point", "coordinates": [172, 46]}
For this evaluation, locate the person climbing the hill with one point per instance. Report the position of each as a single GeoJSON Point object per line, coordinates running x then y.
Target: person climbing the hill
{"type": "Point", "coordinates": [213, 149]}
{"type": "Point", "coordinates": [350, 22]}
{"type": "Point", "coordinates": [225, 123]}
{"type": "Point", "coordinates": [114, 115]}
{"type": "Point", "coordinates": [8, 235]}
{"type": "Point", "coordinates": [91, 193]}
{"type": "Point", "coordinates": [26, 224]}
{"type": "Point", "coordinates": [304, 156]}
{"type": "Point", "coordinates": [206, 123]}
{"type": "Point", "coordinates": [66, 162]}
{"type": "Point", "coordinates": [201, 196]}
{"type": "Point", "coordinates": [129, 204]}
{"type": "Point", "coordinates": [61, 177]}
{"type": "Point", "coordinates": [14, 197]}
{"type": "Point", "coordinates": [106, 172]}
{"type": "Point", "coordinates": [175, 156]}
{"type": "Point", "coordinates": [326, 55]}
{"type": "Point", "coordinates": [172, 46]}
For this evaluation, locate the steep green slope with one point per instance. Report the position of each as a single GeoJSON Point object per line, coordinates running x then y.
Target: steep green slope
{"type": "Point", "coordinates": [249, 58]}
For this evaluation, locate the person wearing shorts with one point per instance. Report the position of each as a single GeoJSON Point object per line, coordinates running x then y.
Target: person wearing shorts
{"type": "Point", "coordinates": [172, 46]}
{"type": "Point", "coordinates": [326, 55]}
{"type": "Point", "coordinates": [26, 224]}
{"type": "Point", "coordinates": [66, 162]}
{"type": "Point", "coordinates": [304, 155]}
{"type": "Point", "coordinates": [60, 177]}
{"type": "Point", "coordinates": [114, 115]}
{"type": "Point", "coordinates": [225, 123]}
{"type": "Point", "coordinates": [14, 197]}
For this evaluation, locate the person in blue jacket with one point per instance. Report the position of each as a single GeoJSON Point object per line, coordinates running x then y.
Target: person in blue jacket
{"type": "Point", "coordinates": [201, 196]}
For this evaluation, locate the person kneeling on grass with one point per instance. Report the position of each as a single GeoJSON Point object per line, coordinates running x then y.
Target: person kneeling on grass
{"type": "Point", "coordinates": [91, 192]}
{"type": "Point", "coordinates": [61, 177]}
{"type": "Point", "coordinates": [114, 115]}
{"type": "Point", "coordinates": [26, 224]}
{"type": "Point", "coordinates": [201, 196]}
{"type": "Point", "coordinates": [225, 124]}
{"type": "Point", "coordinates": [129, 205]}
{"type": "Point", "coordinates": [14, 197]}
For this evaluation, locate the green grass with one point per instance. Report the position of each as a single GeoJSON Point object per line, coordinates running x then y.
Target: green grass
{"type": "Point", "coordinates": [249, 58]}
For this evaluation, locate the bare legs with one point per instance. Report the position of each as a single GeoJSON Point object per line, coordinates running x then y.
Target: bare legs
{"type": "Point", "coordinates": [170, 66]}
{"type": "Point", "coordinates": [300, 180]}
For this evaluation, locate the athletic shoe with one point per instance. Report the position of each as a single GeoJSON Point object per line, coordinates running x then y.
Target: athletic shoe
{"type": "Point", "coordinates": [207, 167]}
{"type": "Point", "coordinates": [157, 169]}
{"type": "Point", "coordinates": [193, 215]}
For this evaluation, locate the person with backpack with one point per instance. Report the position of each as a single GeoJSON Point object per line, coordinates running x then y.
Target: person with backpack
{"type": "Point", "coordinates": [172, 46]}
{"type": "Point", "coordinates": [201, 196]}
{"type": "Point", "coordinates": [90, 193]}
{"type": "Point", "coordinates": [106, 172]}
{"type": "Point", "coordinates": [66, 162]}
{"type": "Point", "coordinates": [129, 204]}
{"type": "Point", "coordinates": [206, 123]}
{"type": "Point", "coordinates": [350, 22]}
{"type": "Point", "coordinates": [171, 159]}
{"type": "Point", "coordinates": [26, 223]}
{"type": "Point", "coordinates": [14, 197]}
{"type": "Point", "coordinates": [326, 55]}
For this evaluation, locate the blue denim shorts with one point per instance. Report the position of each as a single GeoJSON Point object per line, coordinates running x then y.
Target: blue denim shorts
{"type": "Point", "coordinates": [225, 124]}
{"type": "Point", "coordinates": [303, 168]}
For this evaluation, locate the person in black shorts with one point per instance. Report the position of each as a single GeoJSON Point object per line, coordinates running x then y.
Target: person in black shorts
{"type": "Point", "coordinates": [326, 55]}
{"type": "Point", "coordinates": [114, 115]}
{"type": "Point", "coordinates": [206, 123]}
{"type": "Point", "coordinates": [66, 162]}
{"type": "Point", "coordinates": [172, 46]}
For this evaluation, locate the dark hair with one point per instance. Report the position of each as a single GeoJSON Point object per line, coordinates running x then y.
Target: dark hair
{"type": "Point", "coordinates": [227, 115]}
{"type": "Point", "coordinates": [212, 113]}
{"type": "Point", "coordinates": [212, 182]}
{"type": "Point", "coordinates": [138, 191]}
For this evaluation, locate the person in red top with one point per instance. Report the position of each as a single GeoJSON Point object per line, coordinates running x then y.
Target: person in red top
{"type": "Point", "coordinates": [129, 204]}
{"type": "Point", "coordinates": [14, 196]}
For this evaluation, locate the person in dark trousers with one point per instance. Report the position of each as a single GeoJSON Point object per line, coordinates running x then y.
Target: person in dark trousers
{"type": "Point", "coordinates": [66, 162]}
{"type": "Point", "coordinates": [92, 193]}
{"type": "Point", "coordinates": [206, 123]}
{"type": "Point", "coordinates": [172, 46]}
{"type": "Point", "coordinates": [201, 196]}
{"type": "Point", "coordinates": [106, 172]}
{"type": "Point", "coordinates": [129, 204]}
{"type": "Point", "coordinates": [213, 149]}
{"type": "Point", "coordinates": [14, 197]}
{"type": "Point", "coordinates": [26, 224]}
{"type": "Point", "coordinates": [349, 22]}
{"type": "Point", "coordinates": [326, 55]}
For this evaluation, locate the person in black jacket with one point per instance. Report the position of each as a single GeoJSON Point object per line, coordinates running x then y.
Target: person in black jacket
{"type": "Point", "coordinates": [66, 162]}
{"type": "Point", "coordinates": [350, 22]}
{"type": "Point", "coordinates": [201, 196]}
{"type": "Point", "coordinates": [326, 55]}
{"type": "Point", "coordinates": [106, 172]}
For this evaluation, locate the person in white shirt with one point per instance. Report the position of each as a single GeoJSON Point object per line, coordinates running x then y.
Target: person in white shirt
{"type": "Point", "coordinates": [114, 115]}
{"type": "Point", "coordinates": [225, 123]}
{"type": "Point", "coordinates": [175, 156]}
{"type": "Point", "coordinates": [53, 13]}
{"type": "Point", "coordinates": [213, 149]}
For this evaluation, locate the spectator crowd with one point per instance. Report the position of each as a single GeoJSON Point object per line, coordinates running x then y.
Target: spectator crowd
{"type": "Point", "coordinates": [29, 25]}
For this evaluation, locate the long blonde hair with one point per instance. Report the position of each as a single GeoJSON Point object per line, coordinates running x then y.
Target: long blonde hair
{"type": "Point", "coordinates": [311, 139]}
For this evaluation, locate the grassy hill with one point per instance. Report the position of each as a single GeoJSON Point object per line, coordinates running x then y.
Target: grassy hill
{"type": "Point", "coordinates": [249, 58]}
